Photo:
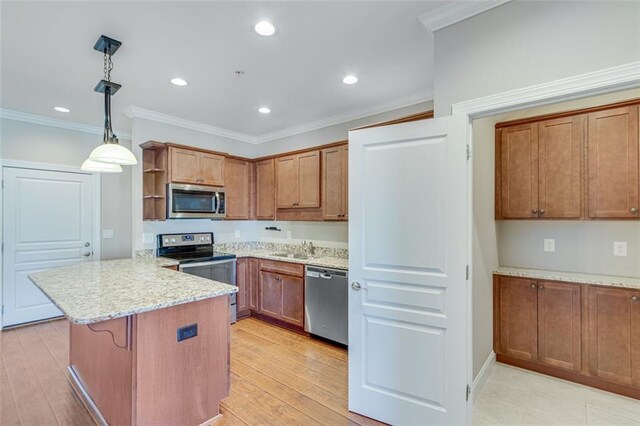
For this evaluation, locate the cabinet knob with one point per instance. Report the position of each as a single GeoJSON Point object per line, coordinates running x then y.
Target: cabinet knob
{"type": "Point", "coordinates": [633, 210]}
{"type": "Point", "coordinates": [540, 287]}
{"type": "Point", "coordinates": [542, 211]}
{"type": "Point", "coordinates": [635, 298]}
{"type": "Point", "coordinates": [533, 285]}
{"type": "Point", "coordinates": [534, 211]}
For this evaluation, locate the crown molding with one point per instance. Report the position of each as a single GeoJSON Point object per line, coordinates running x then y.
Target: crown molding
{"type": "Point", "coordinates": [455, 12]}
{"type": "Point", "coordinates": [414, 99]}
{"type": "Point", "coordinates": [137, 112]}
{"type": "Point", "coordinates": [622, 77]}
{"type": "Point", "coordinates": [55, 122]}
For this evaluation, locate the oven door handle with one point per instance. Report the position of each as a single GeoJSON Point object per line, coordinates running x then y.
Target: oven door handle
{"type": "Point", "coordinates": [207, 263]}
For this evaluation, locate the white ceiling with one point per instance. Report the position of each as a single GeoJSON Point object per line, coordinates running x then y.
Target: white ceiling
{"type": "Point", "coordinates": [48, 59]}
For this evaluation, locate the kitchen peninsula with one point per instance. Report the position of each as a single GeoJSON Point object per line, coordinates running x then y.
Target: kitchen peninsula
{"type": "Point", "coordinates": [148, 345]}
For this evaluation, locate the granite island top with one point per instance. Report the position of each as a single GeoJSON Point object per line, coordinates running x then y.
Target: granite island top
{"type": "Point", "coordinates": [573, 277]}
{"type": "Point", "coordinates": [97, 291]}
{"type": "Point", "coordinates": [321, 261]}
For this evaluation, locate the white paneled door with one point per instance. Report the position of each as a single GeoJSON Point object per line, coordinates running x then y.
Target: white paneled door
{"type": "Point", "coordinates": [47, 223]}
{"type": "Point", "coordinates": [408, 349]}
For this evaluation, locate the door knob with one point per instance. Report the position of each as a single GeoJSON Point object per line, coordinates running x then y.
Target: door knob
{"type": "Point", "coordinates": [633, 210]}
{"type": "Point", "coordinates": [356, 286]}
{"type": "Point", "coordinates": [635, 298]}
{"type": "Point", "coordinates": [87, 244]}
{"type": "Point", "coordinates": [86, 254]}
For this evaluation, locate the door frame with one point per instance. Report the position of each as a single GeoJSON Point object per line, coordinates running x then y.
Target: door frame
{"type": "Point", "coordinates": [96, 186]}
{"type": "Point", "coordinates": [626, 76]}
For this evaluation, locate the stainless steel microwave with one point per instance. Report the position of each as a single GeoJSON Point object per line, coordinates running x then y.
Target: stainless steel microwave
{"type": "Point", "coordinates": [195, 201]}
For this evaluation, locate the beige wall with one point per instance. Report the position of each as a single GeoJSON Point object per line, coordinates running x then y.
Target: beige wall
{"type": "Point", "coordinates": [43, 144]}
{"type": "Point", "coordinates": [581, 246]}
{"type": "Point", "coordinates": [523, 43]}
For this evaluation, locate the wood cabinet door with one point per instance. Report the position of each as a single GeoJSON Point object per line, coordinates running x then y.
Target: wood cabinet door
{"type": "Point", "coordinates": [560, 325]}
{"type": "Point", "coordinates": [614, 335]}
{"type": "Point", "coordinates": [270, 295]}
{"type": "Point", "coordinates": [560, 157]}
{"type": "Point", "coordinates": [243, 282]}
{"type": "Point", "coordinates": [185, 165]}
{"type": "Point", "coordinates": [254, 284]}
{"type": "Point", "coordinates": [287, 182]}
{"type": "Point", "coordinates": [519, 171]}
{"type": "Point", "coordinates": [308, 180]}
{"type": "Point", "coordinates": [518, 318]}
{"type": "Point", "coordinates": [293, 300]}
{"type": "Point", "coordinates": [613, 163]}
{"type": "Point", "coordinates": [237, 186]}
{"type": "Point", "coordinates": [265, 190]}
{"type": "Point", "coordinates": [345, 182]}
{"type": "Point", "coordinates": [211, 169]}
{"type": "Point", "coordinates": [333, 187]}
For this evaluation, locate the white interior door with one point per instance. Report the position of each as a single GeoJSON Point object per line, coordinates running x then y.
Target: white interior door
{"type": "Point", "coordinates": [408, 345]}
{"type": "Point", "coordinates": [47, 223]}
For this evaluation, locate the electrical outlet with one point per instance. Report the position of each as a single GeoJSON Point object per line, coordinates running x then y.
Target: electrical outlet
{"type": "Point", "coordinates": [107, 234]}
{"type": "Point", "coordinates": [619, 248]}
{"type": "Point", "coordinates": [549, 245]}
{"type": "Point", "coordinates": [148, 238]}
{"type": "Point", "coordinates": [237, 233]}
{"type": "Point", "coordinates": [288, 235]}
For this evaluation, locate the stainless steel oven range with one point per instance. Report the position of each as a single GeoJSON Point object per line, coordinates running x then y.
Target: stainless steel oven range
{"type": "Point", "coordinates": [196, 256]}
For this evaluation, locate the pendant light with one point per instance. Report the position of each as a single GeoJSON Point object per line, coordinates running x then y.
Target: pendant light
{"type": "Point", "coordinates": [95, 166]}
{"type": "Point", "coordinates": [110, 152]}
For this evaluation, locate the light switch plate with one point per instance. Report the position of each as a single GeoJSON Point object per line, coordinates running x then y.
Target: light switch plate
{"type": "Point", "coordinates": [549, 245]}
{"type": "Point", "coordinates": [619, 248]}
{"type": "Point", "coordinates": [147, 238]}
{"type": "Point", "coordinates": [237, 233]}
{"type": "Point", "coordinates": [107, 234]}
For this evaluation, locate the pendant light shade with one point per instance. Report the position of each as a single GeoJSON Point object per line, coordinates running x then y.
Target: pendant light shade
{"type": "Point", "coordinates": [94, 166]}
{"type": "Point", "coordinates": [113, 153]}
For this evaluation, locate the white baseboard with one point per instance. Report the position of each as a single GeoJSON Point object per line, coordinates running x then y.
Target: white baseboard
{"type": "Point", "coordinates": [483, 376]}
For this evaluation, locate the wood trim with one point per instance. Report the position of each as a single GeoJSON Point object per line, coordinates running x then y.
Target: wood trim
{"type": "Point", "coordinates": [562, 114]}
{"type": "Point", "coordinates": [424, 115]}
{"type": "Point", "coordinates": [570, 376]}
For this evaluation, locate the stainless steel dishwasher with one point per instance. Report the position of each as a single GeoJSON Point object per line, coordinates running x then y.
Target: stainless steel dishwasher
{"type": "Point", "coordinates": [326, 305]}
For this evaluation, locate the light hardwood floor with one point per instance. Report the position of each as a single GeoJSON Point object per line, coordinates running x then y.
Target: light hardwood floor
{"type": "Point", "coordinates": [277, 377]}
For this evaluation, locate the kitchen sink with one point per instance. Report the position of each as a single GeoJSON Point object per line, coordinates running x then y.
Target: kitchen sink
{"type": "Point", "coordinates": [291, 255]}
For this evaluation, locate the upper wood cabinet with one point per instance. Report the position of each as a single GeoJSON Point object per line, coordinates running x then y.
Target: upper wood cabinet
{"type": "Point", "coordinates": [575, 165]}
{"type": "Point", "coordinates": [614, 335]}
{"type": "Point", "coordinates": [519, 171]}
{"type": "Point", "coordinates": [197, 167]}
{"type": "Point", "coordinates": [265, 189]}
{"type": "Point", "coordinates": [613, 163]}
{"type": "Point", "coordinates": [335, 184]}
{"type": "Point", "coordinates": [298, 180]}
{"type": "Point", "coordinates": [237, 178]}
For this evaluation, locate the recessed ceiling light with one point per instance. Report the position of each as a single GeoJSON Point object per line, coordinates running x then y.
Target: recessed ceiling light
{"type": "Point", "coordinates": [265, 28]}
{"type": "Point", "coordinates": [62, 109]}
{"type": "Point", "coordinates": [350, 79]}
{"type": "Point", "coordinates": [264, 110]}
{"type": "Point", "coordinates": [179, 81]}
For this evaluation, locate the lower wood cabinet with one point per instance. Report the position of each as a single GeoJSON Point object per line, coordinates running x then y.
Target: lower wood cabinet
{"type": "Point", "coordinates": [614, 335]}
{"type": "Point", "coordinates": [281, 292]}
{"type": "Point", "coordinates": [584, 333]}
{"type": "Point", "coordinates": [243, 281]}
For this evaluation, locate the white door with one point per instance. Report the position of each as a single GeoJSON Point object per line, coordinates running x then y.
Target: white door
{"type": "Point", "coordinates": [47, 223]}
{"type": "Point", "coordinates": [408, 253]}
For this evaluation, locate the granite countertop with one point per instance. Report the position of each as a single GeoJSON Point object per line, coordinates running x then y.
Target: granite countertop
{"type": "Point", "coordinates": [97, 291]}
{"type": "Point", "coordinates": [574, 277]}
{"type": "Point", "coordinates": [322, 261]}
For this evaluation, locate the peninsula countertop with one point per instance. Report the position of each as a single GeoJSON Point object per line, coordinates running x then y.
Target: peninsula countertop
{"type": "Point", "coordinates": [97, 291]}
{"type": "Point", "coordinates": [574, 277]}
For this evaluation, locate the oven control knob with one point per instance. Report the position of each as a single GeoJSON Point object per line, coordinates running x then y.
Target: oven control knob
{"type": "Point", "coordinates": [173, 240]}
{"type": "Point", "coordinates": [201, 238]}
{"type": "Point", "coordinates": [166, 240]}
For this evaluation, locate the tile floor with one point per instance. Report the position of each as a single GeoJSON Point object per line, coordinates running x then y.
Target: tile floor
{"type": "Point", "coordinates": [512, 396]}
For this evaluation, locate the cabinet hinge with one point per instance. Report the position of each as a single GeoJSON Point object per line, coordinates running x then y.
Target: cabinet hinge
{"type": "Point", "coordinates": [468, 392]}
{"type": "Point", "coordinates": [467, 272]}
{"type": "Point", "coordinates": [468, 152]}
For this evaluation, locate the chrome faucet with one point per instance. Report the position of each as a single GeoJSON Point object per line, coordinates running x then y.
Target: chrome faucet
{"type": "Point", "coordinates": [310, 247]}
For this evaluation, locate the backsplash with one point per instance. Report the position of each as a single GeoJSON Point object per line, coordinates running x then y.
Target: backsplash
{"type": "Point", "coordinates": [279, 247]}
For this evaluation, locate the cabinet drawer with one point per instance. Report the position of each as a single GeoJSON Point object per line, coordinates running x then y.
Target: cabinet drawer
{"type": "Point", "coordinates": [282, 267]}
